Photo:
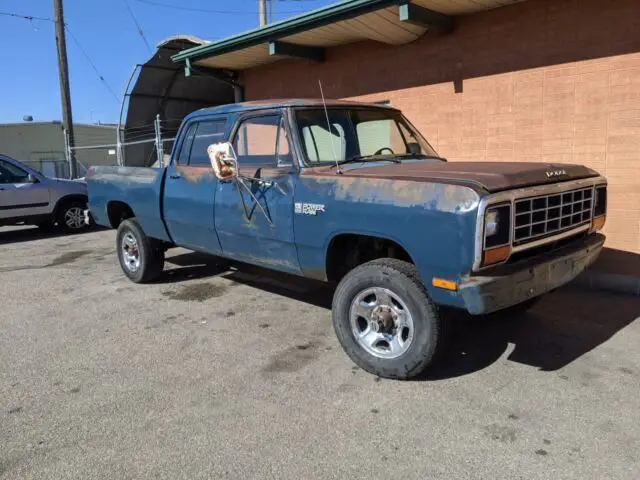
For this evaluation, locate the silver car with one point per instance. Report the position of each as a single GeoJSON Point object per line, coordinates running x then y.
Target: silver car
{"type": "Point", "coordinates": [28, 197]}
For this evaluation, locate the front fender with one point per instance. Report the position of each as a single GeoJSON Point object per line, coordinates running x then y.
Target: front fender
{"type": "Point", "coordinates": [435, 223]}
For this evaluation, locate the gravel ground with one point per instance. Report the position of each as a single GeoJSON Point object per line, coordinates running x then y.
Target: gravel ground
{"type": "Point", "coordinates": [218, 371]}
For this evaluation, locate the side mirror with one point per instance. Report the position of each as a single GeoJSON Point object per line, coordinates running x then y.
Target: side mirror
{"type": "Point", "coordinates": [223, 160]}
{"type": "Point", "coordinates": [413, 148]}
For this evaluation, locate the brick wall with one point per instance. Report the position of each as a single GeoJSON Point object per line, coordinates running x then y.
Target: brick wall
{"type": "Point", "coordinates": [543, 80]}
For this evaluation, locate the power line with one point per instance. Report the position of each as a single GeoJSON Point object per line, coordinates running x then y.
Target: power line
{"type": "Point", "coordinates": [75, 40]}
{"type": "Point", "coordinates": [25, 17]}
{"type": "Point", "coordinates": [133, 17]}
{"type": "Point", "coordinates": [206, 10]}
{"type": "Point", "coordinates": [93, 65]}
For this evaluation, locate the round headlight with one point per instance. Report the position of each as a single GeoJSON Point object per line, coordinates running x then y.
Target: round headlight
{"type": "Point", "coordinates": [491, 223]}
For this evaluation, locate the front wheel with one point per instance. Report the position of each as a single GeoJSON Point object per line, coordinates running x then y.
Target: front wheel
{"type": "Point", "coordinates": [141, 257]}
{"type": "Point", "coordinates": [385, 320]}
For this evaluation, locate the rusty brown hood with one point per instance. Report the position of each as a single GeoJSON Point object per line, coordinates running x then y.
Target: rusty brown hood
{"type": "Point", "coordinates": [490, 176]}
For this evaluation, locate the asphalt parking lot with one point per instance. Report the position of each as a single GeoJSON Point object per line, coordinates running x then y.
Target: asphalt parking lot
{"type": "Point", "coordinates": [222, 371]}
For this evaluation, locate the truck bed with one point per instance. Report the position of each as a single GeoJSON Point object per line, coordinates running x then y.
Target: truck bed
{"type": "Point", "coordinates": [138, 187]}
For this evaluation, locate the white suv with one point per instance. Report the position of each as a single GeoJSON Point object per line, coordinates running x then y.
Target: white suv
{"type": "Point", "coordinates": [28, 197]}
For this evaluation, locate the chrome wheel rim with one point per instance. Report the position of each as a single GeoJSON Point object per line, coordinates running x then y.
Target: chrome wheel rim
{"type": "Point", "coordinates": [381, 323]}
{"type": "Point", "coordinates": [74, 217]}
{"type": "Point", "coordinates": [130, 252]}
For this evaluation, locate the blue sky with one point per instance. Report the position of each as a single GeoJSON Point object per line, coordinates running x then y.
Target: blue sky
{"type": "Point", "coordinates": [106, 32]}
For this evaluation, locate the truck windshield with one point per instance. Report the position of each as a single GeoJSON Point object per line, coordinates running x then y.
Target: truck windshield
{"type": "Point", "coordinates": [358, 134]}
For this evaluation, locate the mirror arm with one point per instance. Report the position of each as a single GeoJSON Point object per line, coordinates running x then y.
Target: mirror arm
{"type": "Point", "coordinates": [240, 181]}
{"type": "Point", "coordinates": [264, 183]}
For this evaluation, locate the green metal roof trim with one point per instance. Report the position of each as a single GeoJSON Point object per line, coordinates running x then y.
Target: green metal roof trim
{"type": "Point", "coordinates": [284, 28]}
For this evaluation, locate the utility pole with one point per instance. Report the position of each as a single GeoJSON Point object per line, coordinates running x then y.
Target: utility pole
{"type": "Point", "coordinates": [262, 7]}
{"type": "Point", "coordinates": [65, 95]}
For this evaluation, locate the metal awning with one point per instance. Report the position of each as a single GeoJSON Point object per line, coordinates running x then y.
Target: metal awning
{"type": "Point", "coordinates": [394, 22]}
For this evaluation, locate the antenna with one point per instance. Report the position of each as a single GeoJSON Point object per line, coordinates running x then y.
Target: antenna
{"type": "Point", "coordinates": [326, 114]}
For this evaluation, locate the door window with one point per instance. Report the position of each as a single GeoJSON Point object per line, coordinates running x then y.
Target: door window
{"type": "Point", "coordinates": [9, 173]}
{"type": "Point", "coordinates": [207, 132]}
{"type": "Point", "coordinates": [185, 149]}
{"type": "Point", "coordinates": [256, 140]}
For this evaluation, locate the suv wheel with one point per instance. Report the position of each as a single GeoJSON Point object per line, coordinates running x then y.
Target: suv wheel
{"type": "Point", "coordinates": [70, 216]}
{"type": "Point", "coordinates": [141, 257]}
{"type": "Point", "coordinates": [385, 320]}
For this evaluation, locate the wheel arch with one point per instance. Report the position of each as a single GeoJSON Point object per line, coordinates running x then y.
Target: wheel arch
{"type": "Point", "coordinates": [62, 201]}
{"type": "Point", "coordinates": [345, 250]}
{"type": "Point", "coordinates": [118, 211]}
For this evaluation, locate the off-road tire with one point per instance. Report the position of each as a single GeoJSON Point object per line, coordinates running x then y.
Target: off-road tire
{"type": "Point", "coordinates": [430, 335]}
{"type": "Point", "coordinates": [151, 253]}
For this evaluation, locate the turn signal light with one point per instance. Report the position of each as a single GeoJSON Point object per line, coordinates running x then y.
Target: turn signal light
{"type": "Point", "coordinates": [496, 255]}
{"type": "Point", "coordinates": [598, 223]}
{"type": "Point", "coordinates": [442, 283]}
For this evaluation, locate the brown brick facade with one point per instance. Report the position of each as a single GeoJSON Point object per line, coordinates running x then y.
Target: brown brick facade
{"type": "Point", "coordinates": [544, 80]}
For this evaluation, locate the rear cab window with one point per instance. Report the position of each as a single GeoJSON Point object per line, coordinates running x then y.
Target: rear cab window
{"type": "Point", "coordinates": [199, 135]}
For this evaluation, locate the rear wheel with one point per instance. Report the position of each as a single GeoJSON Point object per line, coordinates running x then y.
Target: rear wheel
{"type": "Point", "coordinates": [70, 216]}
{"type": "Point", "coordinates": [141, 258]}
{"type": "Point", "coordinates": [385, 320]}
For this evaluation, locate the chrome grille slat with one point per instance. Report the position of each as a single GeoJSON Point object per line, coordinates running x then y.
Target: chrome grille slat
{"type": "Point", "coordinates": [550, 214]}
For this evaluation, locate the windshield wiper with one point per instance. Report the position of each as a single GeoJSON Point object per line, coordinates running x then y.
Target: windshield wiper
{"type": "Point", "coordinates": [420, 155]}
{"type": "Point", "coordinates": [366, 158]}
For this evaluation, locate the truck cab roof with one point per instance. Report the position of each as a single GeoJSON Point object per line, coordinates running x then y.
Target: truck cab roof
{"type": "Point", "coordinates": [280, 103]}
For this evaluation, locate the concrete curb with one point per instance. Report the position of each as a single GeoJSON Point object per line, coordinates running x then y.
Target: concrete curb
{"type": "Point", "coordinates": [612, 282]}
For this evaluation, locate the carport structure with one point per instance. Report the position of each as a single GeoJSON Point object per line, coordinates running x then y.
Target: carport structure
{"type": "Point", "coordinates": [308, 36]}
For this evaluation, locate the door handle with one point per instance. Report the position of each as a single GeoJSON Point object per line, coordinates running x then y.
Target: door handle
{"type": "Point", "coordinates": [174, 177]}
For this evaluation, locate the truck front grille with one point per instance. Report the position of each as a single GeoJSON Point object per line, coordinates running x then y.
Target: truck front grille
{"type": "Point", "coordinates": [545, 215]}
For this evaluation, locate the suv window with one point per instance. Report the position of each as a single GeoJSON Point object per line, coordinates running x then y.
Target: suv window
{"type": "Point", "coordinates": [206, 133]}
{"type": "Point", "coordinates": [9, 173]}
{"type": "Point", "coordinates": [255, 141]}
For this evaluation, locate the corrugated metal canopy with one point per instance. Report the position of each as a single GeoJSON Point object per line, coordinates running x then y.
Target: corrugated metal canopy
{"type": "Point", "coordinates": [393, 22]}
{"type": "Point", "coordinates": [161, 88]}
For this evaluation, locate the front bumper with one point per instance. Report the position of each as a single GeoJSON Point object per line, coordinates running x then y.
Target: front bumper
{"type": "Point", "coordinates": [514, 284]}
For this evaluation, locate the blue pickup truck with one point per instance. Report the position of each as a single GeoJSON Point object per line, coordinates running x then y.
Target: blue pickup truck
{"type": "Point", "coordinates": [353, 194]}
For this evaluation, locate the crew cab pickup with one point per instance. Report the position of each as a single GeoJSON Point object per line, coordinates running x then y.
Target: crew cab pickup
{"type": "Point", "coordinates": [353, 194]}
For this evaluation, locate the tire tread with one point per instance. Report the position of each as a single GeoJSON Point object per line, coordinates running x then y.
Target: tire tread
{"type": "Point", "coordinates": [427, 358]}
{"type": "Point", "coordinates": [152, 253]}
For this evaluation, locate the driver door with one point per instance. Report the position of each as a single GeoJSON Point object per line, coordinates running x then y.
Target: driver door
{"type": "Point", "coordinates": [19, 196]}
{"type": "Point", "coordinates": [254, 213]}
